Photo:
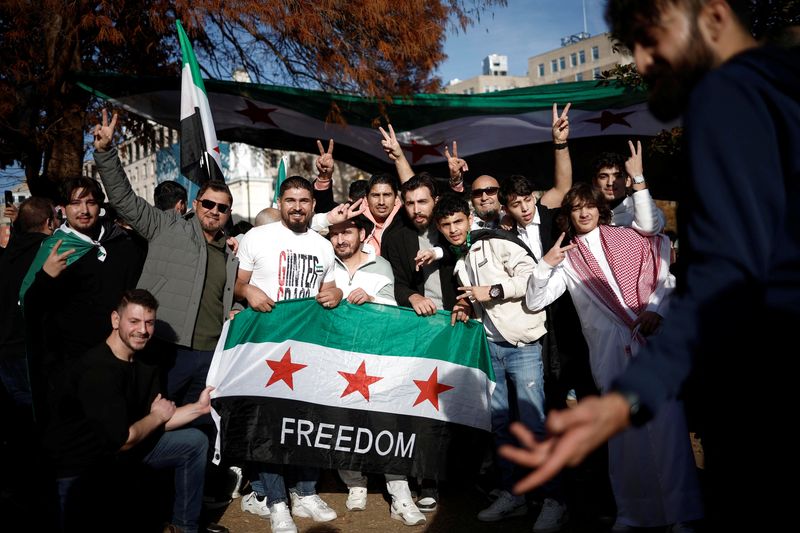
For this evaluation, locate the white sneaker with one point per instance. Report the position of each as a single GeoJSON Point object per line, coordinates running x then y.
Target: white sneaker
{"type": "Point", "coordinates": [251, 504]}
{"type": "Point", "coordinates": [505, 506]}
{"type": "Point", "coordinates": [237, 471]}
{"type": "Point", "coordinates": [552, 517]}
{"type": "Point", "coordinates": [312, 507]}
{"type": "Point", "coordinates": [357, 499]}
{"type": "Point", "coordinates": [280, 519]}
{"type": "Point", "coordinates": [403, 507]}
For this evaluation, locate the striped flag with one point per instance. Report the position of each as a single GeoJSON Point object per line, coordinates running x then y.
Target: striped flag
{"type": "Point", "coordinates": [372, 388]}
{"type": "Point", "coordinates": [280, 179]}
{"type": "Point", "coordinates": [200, 156]}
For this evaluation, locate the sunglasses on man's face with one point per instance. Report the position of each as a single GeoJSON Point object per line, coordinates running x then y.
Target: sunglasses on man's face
{"type": "Point", "coordinates": [210, 204]}
{"type": "Point", "coordinates": [490, 191]}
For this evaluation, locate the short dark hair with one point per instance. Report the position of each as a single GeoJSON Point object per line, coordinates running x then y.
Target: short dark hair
{"type": "Point", "coordinates": [295, 182]}
{"type": "Point", "coordinates": [242, 226]}
{"type": "Point", "coordinates": [450, 204]}
{"type": "Point", "coordinates": [138, 297]}
{"type": "Point", "coordinates": [358, 189]}
{"type": "Point", "coordinates": [168, 193]}
{"type": "Point", "coordinates": [609, 160]}
{"type": "Point", "coordinates": [216, 186]}
{"type": "Point", "coordinates": [423, 179]}
{"type": "Point", "coordinates": [33, 214]}
{"type": "Point", "coordinates": [89, 186]}
{"type": "Point", "coordinates": [386, 179]}
{"type": "Point", "coordinates": [583, 193]}
{"type": "Point", "coordinates": [515, 185]}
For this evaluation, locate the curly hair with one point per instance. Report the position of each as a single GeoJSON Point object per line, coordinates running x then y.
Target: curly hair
{"type": "Point", "coordinates": [580, 195]}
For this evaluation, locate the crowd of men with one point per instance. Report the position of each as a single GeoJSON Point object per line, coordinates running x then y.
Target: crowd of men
{"type": "Point", "coordinates": [571, 286]}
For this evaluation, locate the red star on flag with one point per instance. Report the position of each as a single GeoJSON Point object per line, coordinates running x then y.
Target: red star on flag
{"type": "Point", "coordinates": [419, 150]}
{"type": "Point", "coordinates": [258, 114]}
{"type": "Point", "coordinates": [431, 389]}
{"type": "Point", "coordinates": [282, 370]}
{"type": "Point", "coordinates": [359, 381]}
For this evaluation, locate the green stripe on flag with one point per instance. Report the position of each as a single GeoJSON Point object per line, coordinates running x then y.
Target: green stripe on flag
{"type": "Point", "coordinates": [370, 328]}
{"type": "Point", "coordinates": [279, 181]}
{"type": "Point", "coordinates": [189, 59]}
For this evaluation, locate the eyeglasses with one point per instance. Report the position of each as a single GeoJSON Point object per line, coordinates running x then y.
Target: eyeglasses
{"type": "Point", "coordinates": [209, 204]}
{"type": "Point", "coordinates": [490, 191]}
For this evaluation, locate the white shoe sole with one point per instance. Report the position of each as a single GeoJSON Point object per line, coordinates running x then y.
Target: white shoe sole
{"type": "Point", "coordinates": [302, 513]}
{"type": "Point", "coordinates": [356, 507]}
{"type": "Point", "coordinates": [399, 517]}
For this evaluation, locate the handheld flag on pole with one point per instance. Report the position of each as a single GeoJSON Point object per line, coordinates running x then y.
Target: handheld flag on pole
{"type": "Point", "coordinates": [279, 180]}
{"type": "Point", "coordinates": [200, 159]}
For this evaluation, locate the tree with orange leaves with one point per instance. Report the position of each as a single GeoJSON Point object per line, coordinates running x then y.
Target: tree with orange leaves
{"type": "Point", "coordinates": [372, 47]}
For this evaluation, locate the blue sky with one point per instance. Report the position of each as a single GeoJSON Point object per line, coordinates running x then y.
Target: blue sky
{"type": "Point", "coordinates": [522, 29]}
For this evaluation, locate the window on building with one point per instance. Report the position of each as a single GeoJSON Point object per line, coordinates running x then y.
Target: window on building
{"type": "Point", "coordinates": [596, 73]}
{"type": "Point", "coordinates": [562, 63]}
{"type": "Point", "coordinates": [273, 160]}
{"type": "Point", "coordinates": [554, 65]}
{"type": "Point", "coordinates": [138, 151]}
{"type": "Point", "coordinates": [541, 69]}
{"type": "Point", "coordinates": [582, 57]}
{"type": "Point", "coordinates": [573, 59]}
{"type": "Point", "coordinates": [595, 53]}
{"type": "Point", "coordinates": [579, 76]}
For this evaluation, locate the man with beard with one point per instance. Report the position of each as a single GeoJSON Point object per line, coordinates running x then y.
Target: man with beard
{"type": "Point", "coordinates": [284, 261]}
{"type": "Point", "coordinates": [111, 413]}
{"type": "Point", "coordinates": [613, 176]}
{"type": "Point", "coordinates": [189, 267]}
{"type": "Point", "coordinates": [425, 287]}
{"type": "Point", "coordinates": [739, 293]}
{"type": "Point", "coordinates": [365, 277]}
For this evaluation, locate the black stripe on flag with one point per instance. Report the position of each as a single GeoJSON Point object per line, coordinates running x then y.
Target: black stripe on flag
{"type": "Point", "coordinates": [196, 163]}
{"type": "Point", "coordinates": [282, 431]}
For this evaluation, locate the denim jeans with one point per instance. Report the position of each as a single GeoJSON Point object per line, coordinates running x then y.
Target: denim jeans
{"type": "Point", "coordinates": [354, 478]}
{"type": "Point", "coordinates": [518, 372]}
{"type": "Point", "coordinates": [302, 480]}
{"type": "Point", "coordinates": [187, 378]}
{"type": "Point", "coordinates": [186, 451]}
{"type": "Point", "coordinates": [14, 377]}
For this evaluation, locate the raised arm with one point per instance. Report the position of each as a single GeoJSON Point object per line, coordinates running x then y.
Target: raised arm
{"type": "Point", "coordinates": [647, 217]}
{"type": "Point", "coordinates": [395, 153]}
{"type": "Point", "coordinates": [144, 218]}
{"type": "Point", "coordinates": [323, 192]}
{"type": "Point", "coordinates": [457, 167]}
{"type": "Point", "coordinates": [562, 181]}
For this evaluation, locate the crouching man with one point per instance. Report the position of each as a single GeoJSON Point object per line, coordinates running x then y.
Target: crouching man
{"type": "Point", "coordinates": [111, 411]}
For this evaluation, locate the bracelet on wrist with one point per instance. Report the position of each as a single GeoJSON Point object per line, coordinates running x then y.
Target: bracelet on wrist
{"type": "Point", "coordinates": [559, 146]}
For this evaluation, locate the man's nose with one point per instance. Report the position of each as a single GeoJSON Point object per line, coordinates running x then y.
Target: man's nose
{"type": "Point", "coordinates": [643, 58]}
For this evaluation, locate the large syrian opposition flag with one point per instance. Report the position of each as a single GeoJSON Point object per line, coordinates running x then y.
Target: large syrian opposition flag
{"type": "Point", "coordinates": [372, 388]}
{"type": "Point", "coordinates": [200, 157]}
{"type": "Point", "coordinates": [498, 133]}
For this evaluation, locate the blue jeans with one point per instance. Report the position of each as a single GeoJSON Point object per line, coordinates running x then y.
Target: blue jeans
{"type": "Point", "coordinates": [519, 375]}
{"type": "Point", "coordinates": [187, 378]}
{"type": "Point", "coordinates": [185, 450]}
{"type": "Point", "coordinates": [14, 377]}
{"type": "Point", "coordinates": [302, 480]}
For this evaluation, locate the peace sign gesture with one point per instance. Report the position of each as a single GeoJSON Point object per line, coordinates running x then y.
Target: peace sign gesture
{"type": "Point", "coordinates": [456, 165]}
{"type": "Point", "coordinates": [325, 161]}
{"type": "Point", "coordinates": [103, 135]}
{"type": "Point", "coordinates": [390, 144]}
{"type": "Point", "coordinates": [557, 253]}
{"type": "Point", "coordinates": [56, 262]}
{"type": "Point", "coordinates": [633, 165]}
{"type": "Point", "coordinates": [561, 124]}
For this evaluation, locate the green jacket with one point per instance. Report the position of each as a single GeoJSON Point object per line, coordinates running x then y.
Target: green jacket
{"type": "Point", "coordinates": [175, 268]}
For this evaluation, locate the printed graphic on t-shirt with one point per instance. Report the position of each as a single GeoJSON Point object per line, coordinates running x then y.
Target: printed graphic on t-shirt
{"type": "Point", "coordinates": [298, 275]}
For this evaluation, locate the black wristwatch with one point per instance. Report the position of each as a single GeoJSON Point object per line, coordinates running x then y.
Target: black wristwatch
{"type": "Point", "coordinates": [496, 292]}
{"type": "Point", "coordinates": [639, 413]}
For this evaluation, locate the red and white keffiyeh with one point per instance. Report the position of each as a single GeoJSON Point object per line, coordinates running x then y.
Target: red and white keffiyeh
{"type": "Point", "coordinates": [635, 262]}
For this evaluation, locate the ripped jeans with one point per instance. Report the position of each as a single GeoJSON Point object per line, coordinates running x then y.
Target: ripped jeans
{"type": "Point", "coordinates": [518, 395]}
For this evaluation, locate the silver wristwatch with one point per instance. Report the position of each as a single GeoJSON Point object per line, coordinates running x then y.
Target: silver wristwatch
{"type": "Point", "coordinates": [637, 179]}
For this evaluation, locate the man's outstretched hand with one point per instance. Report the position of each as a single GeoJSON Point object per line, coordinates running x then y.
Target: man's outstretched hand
{"type": "Point", "coordinates": [573, 434]}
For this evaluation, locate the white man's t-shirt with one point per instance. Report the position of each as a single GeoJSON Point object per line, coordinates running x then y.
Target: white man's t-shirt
{"type": "Point", "coordinates": [286, 265]}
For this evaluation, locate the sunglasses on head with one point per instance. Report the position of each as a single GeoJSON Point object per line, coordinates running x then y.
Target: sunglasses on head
{"type": "Point", "coordinates": [490, 191]}
{"type": "Point", "coordinates": [210, 204]}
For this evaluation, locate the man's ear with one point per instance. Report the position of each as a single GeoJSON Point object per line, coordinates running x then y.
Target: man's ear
{"type": "Point", "coordinates": [712, 19]}
{"type": "Point", "coordinates": [470, 218]}
{"type": "Point", "coordinates": [362, 235]}
{"type": "Point", "coordinates": [114, 319]}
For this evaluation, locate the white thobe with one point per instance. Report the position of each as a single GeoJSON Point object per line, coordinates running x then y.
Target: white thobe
{"type": "Point", "coordinates": [652, 468]}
